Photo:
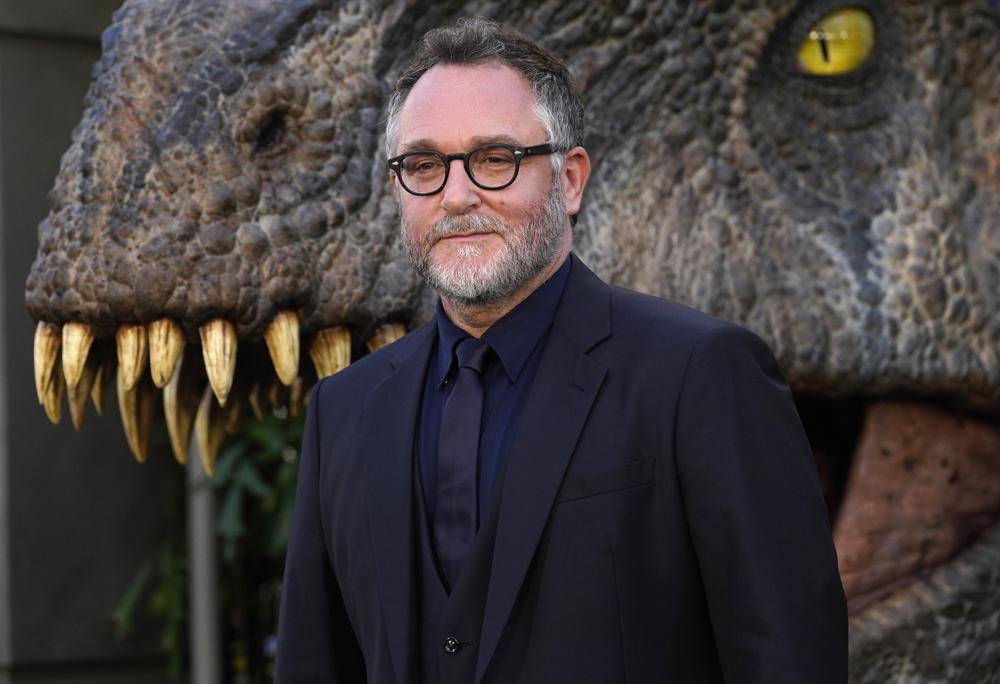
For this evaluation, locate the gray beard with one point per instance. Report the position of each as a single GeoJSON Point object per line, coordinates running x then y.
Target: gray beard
{"type": "Point", "coordinates": [528, 249]}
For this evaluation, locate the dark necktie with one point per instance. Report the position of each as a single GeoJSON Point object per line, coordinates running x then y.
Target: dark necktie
{"type": "Point", "coordinates": [456, 504]}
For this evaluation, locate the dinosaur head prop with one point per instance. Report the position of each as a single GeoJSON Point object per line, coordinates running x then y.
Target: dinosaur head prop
{"type": "Point", "coordinates": [825, 173]}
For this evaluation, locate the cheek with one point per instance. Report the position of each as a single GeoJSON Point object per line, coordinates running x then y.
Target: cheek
{"type": "Point", "coordinates": [414, 218]}
{"type": "Point", "coordinates": [512, 206]}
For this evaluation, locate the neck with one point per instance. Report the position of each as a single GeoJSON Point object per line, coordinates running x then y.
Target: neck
{"type": "Point", "coordinates": [476, 319]}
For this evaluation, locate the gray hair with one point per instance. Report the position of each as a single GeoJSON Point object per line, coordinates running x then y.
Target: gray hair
{"type": "Point", "coordinates": [479, 41]}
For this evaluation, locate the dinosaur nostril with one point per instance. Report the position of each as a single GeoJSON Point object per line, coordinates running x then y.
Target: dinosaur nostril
{"type": "Point", "coordinates": [272, 131]}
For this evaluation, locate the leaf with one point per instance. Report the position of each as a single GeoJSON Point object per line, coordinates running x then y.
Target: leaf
{"type": "Point", "coordinates": [252, 482]}
{"type": "Point", "coordinates": [268, 436]}
{"type": "Point", "coordinates": [231, 516]}
{"type": "Point", "coordinates": [125, 610]}
{"type": "Point", "coordinates": [227, 462]}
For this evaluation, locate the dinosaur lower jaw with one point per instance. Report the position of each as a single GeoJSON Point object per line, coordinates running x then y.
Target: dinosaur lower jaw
{"type": "Point", "coordinates": [920, 484]}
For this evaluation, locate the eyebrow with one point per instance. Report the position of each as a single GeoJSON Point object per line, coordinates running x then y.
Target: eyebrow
{"type": "Point", "coordinates": [427, 144]}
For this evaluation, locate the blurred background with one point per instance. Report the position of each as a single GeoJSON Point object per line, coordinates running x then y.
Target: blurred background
{"type": "Point", "coordinates": [94, 570]}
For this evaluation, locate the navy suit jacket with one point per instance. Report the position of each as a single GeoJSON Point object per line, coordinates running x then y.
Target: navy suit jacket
{"type": "Point", "coordinates": [661, 518]}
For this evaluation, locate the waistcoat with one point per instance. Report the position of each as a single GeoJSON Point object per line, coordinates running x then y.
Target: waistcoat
{"type": "Point", "coordinates": [450, 624]}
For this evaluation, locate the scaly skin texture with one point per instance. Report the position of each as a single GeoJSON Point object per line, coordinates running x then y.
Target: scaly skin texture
{"type": "Point", "coordinates": [229, 164]}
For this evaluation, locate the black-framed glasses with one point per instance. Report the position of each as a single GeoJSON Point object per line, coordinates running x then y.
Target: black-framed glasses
{"type": "Point", "coordinates": [491, 167]}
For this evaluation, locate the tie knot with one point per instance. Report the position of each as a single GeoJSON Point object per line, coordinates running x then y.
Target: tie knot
{"type": "Point", "coordinates": [471, 353]}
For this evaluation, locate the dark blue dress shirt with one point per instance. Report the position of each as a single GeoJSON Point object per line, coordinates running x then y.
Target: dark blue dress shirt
{"type": "Point", "coordinates": [517, 340]}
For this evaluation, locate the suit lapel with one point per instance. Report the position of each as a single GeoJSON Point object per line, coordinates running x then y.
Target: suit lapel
{"type": "Point", "coordinates": [390, 414]}
{"type": "Point", "coordinates": [562, 393]}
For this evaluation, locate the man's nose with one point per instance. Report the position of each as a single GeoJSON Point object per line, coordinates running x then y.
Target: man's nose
{"type": "Point", "coordinates": [460, 195]}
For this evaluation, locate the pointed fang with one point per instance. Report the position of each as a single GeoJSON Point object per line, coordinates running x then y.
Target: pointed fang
{"type": "Point", "coordinates": [78, 394]}
{"type": "Point", "coordinates": [384, 335]}
{"type": "Point", "coordinates": [102, 376]}
{"type": "Point", "coordinates": [76, 341]}
{"type": "Point", "coordinates": [330, 350]}
{"type": "Point", "coordinates": [47, 343]}
{"type": "Point", "coordinates": [136, 407]}
{"type": "Point", "coordinates": [179, 405]}
{"type": "Point", "coordinates": [166, 342]}
{"type": "Point", "coordinates": [232, 414]}
{"type": "Point", "coordinates": [282, 338]}
{"type": "Point", "coordinates": [296, 397]}
{"type": "Point", "coordinates": [209, 429]}
{"type": "Point", "coordinates": [256, 401]}
{"type": "Point", "coordinates": [218, 348]}
{"type": "Point", "coordinates": [132, 352]}
{"type": "Point", "coordinates": [52, 401]}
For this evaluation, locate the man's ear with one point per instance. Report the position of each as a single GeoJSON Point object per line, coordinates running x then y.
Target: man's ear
{"type": "Point", "coordinates": [576, 171]}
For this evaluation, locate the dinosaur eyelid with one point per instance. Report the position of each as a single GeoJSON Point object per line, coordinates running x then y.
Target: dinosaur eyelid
{"type": "Point", "coordinates": [839, 43]}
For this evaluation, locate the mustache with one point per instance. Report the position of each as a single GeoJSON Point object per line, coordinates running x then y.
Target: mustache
{"type": "Point", "coordinates": [458, 225]}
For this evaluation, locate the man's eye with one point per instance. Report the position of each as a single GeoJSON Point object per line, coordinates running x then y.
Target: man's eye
{"type": "Point", "coordinates": [423, 165]}
{"type": "Point", "coordinates": [494, 159]}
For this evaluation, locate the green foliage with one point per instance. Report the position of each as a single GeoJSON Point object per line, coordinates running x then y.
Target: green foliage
{"type": "Point", "coordinates": [254, 485]}
{"type": "Point", "coordinates": [255, 478]}
{"type": "Point", "coordinates": [167, 601]}
{"type": "Point", "coordinates": [124, 612]}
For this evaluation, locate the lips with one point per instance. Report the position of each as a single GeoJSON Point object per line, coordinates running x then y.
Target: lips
{"type": "Point", "coordinates": [467, 235]}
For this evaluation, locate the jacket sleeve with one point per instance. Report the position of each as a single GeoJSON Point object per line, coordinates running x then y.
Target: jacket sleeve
{"type": "Point", "coordinates": [315, 641]}
{"type": "Point", "coordinates": [759, 525]}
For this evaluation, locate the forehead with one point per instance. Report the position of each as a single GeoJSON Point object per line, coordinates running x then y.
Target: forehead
{"type": "Point", "coordinates": [450, 104]}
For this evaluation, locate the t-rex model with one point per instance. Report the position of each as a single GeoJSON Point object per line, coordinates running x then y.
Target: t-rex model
{"type": "Point", "coordinates": [826, 173]}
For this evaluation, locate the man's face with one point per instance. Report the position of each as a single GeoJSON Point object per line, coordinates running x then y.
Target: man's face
{"type": "Point", "coordinates": [470, 244]}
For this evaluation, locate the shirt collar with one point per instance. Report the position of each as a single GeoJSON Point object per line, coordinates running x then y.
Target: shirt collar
{"type": "Point", "coordinates": [513, 337]}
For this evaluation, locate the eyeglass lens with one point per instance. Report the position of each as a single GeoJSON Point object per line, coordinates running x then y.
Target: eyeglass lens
{"type": "Point", "coordinates": [491, 167]}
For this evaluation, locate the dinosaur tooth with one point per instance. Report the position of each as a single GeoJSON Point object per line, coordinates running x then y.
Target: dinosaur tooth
{"type": "Point", "coordinates": [255, 400]}
{"type": "Point", "coordinates": [296, 396]}
{"type": "Point", "coordinates": [47, 343]}
{"type": "Point", "coordinates": [76, 341]}
{"type": "Point", "coordinates": [79, 392]}
{"type": "Point", "coordinates": [147, 407]}
{"type": "Point", "coordinates": [209, 429]}
{"type": "Point", "coordinates": [52, 399]}
{"type": "Point", "coordinates": [135, 404]}
{"type": "Point", "coordinates": [330, 350]}
{"type": "Point", "coordinates": [166, 342]}
{"type": "Point", "coordinates": [132, 351]}
{"type": "Point", "coordinates": [102, 374]}
{"type": "Point", "coordinates": [277, 395]}
{"type": "Point", "coordinates": [232, 414]}
{"type": "Point", "coordinates": [180, 398]}
{"type": "Point", "coordinates": [282, 338]}
{"type": "Point", "coordinates": [218, 348]}
{"type": "Point", "coordinates": [385, 334]}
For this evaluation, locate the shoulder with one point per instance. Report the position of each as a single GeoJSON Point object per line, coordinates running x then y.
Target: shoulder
{"type": "Point", "coordinates": [652, 323]}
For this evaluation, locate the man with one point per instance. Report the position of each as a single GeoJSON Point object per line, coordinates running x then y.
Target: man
{"type": "Point", "coordinates": [554, 480]}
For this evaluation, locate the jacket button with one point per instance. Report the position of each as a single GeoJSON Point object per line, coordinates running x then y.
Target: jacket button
{"type": "Point", "coordinates": [451, 645]}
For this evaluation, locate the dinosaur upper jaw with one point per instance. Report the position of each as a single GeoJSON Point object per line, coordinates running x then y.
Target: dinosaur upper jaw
{"type": "Point", "coordinates": [204, 390]}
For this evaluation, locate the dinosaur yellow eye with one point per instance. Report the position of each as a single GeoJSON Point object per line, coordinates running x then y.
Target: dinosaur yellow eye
{"type": "Point", "coordinates": [838, 43]}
